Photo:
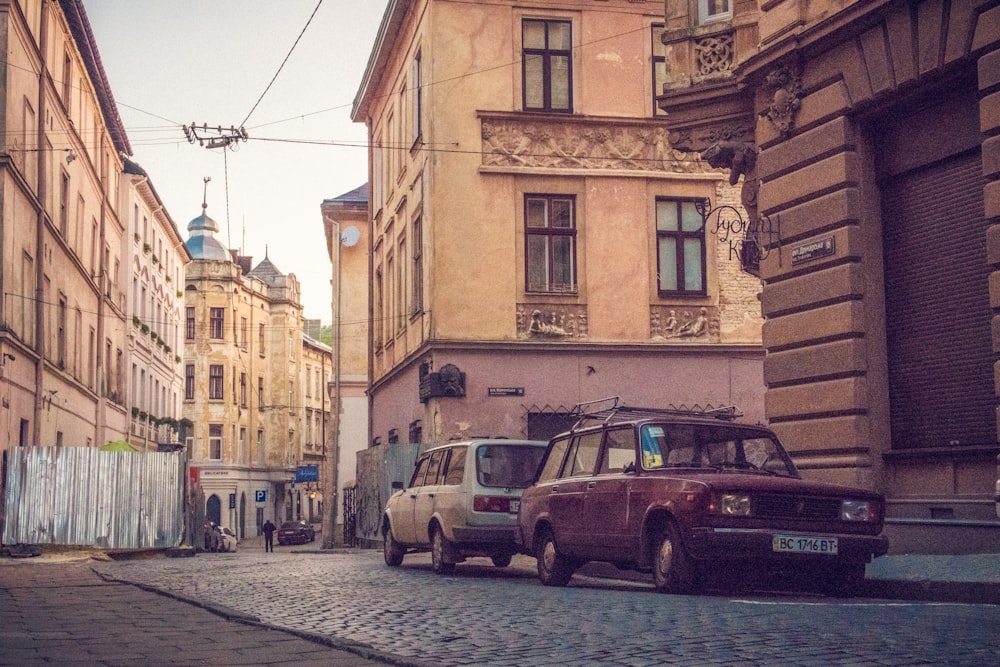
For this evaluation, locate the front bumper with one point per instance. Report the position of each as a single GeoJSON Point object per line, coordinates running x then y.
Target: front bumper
{"type": "Point", "coordinates": [720, 544]}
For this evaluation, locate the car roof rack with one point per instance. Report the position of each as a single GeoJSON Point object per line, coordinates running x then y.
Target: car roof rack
{"type": "Point", "coordinates": [617, 411]}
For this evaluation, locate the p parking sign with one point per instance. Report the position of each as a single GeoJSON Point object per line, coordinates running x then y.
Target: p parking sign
{"type": "Point", "coordinates": [260, 495]}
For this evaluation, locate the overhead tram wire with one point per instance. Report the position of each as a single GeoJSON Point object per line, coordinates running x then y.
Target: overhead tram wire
{"type": "Point", "coordinates": [280, 67]}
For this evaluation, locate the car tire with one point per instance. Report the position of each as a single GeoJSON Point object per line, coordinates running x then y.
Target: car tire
{"type": "Point", "coordinates": [553, 568]}
{"type": "Point", "coordinates": [502, 559]}
{"type": "Point", "coordinates": [392, 551]}
{"type": "Point", "coordinates": [673, 570]}
{"type": "Point", "coordinates": [439, 551]}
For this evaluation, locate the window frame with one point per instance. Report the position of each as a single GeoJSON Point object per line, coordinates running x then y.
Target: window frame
{"type": "Point", "coordinates": [705, 17]}
{"type": "Point", "coordinates": [216, 323]}
{"type": "Point", "coordinates": [216, 382]}
{"type": "Point", "coordinates": [680, 236]}
{"type": "Point", "coordinates": [547, 54]}
{"type": "Point", "coordinates": [550, 233]}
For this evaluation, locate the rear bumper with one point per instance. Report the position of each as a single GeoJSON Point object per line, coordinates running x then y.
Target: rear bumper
{"type": "Point", "coordinates": [491, 535]}
{"type": "Point", "coordinates": [757, 544]}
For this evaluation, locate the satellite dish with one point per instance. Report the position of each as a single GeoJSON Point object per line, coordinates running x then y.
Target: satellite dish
{"type": "Point", "coordinates": [350, 236]}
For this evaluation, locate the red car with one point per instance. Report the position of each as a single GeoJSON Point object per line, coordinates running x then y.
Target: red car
{"type": "Point", "coordinates": [691, 497]}
{"type": "Point", "coordinates": [296, 532]}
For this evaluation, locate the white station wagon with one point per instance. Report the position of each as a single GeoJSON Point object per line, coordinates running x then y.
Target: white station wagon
{"type": "Point", "coordinates": [462, 500]}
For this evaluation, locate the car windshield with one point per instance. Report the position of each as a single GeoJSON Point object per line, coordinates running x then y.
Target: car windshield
{"type": "Point", "coordinates": [712, 446]}
{"type": "Point", "coordinates": [508, 466]}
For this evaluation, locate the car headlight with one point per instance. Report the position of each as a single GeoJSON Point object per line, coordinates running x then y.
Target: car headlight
{"type": "Point", "coordinates": [858, 510]}
{"type": "Point", "coordinates": [731, 504]}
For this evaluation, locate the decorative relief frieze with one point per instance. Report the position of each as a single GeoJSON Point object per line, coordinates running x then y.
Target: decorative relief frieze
{"type": "Point", "coordinates": [544, 321]}
{"type": "Point", "coordinates": [569, 143]}
{"type": "Point", "coordinates": [784, 86]}
{"type": "Point", "coordinates": [683, 323]}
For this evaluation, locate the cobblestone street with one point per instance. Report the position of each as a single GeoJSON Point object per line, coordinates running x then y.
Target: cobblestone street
{"type": "Point", "coordinates": [488, 616]}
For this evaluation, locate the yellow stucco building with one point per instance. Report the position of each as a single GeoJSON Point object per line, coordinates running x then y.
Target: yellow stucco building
{"type": "Point", "coordinates": [536, 241]}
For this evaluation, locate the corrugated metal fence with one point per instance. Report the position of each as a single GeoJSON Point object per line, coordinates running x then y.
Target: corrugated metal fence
{"type": "Point", "coordinates": [83, 496]}
{"type": "Point", "coordinates": [378, 468]}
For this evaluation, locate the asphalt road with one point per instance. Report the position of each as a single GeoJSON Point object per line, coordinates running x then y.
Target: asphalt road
{"type": "Point", "coordinates": [490, 616]}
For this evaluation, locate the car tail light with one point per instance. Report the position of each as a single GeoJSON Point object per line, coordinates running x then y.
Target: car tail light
{"type": "Point", "coordinates": [491, 504]}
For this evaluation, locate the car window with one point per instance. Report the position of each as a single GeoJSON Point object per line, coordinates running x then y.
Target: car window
{"type": "Point", "coordinates": [455, 466]}
{"type": "Point", "coordinates": [418, 472]}
{"type": "Point", "coordinates": [556, 454]}
{"type": "Point", "coordinates": [619, 451]}
{"type": "Point", "coordinates": [582, 455]}
{"type": "Point", "coordinates": [434, 467]}
{"type": "Point", "coordinates": [507, 466]}
{"type": "Point", "coordinates": [710, 446]}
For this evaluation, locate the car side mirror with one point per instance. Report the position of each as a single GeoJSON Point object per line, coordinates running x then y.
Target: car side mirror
{"type": "Point", "coordinates": [629, 467]}
{"type": "Point", "coordinates": [397, 486]}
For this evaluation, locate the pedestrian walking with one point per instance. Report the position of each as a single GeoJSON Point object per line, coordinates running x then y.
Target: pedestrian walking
{"type": "Point", "coordinates": [268, 529]}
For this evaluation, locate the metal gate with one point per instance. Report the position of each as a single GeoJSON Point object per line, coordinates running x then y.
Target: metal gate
{"type": "Point", "coordinates": [378, 468]}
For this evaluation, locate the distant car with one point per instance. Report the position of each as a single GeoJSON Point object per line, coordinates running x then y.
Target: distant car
{"type": "Point", "coordinates": [296, 532]}
{"type": "Point", "coordinates": [691, 496]}
{"type": "Point", "coordinates": [461, 501]}
{"type": "Point", "coordinates": [226, 539]}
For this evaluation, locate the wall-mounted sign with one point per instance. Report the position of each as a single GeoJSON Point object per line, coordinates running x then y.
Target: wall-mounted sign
{"type": "Point", "coordinates": [207, 472]}
{"type": "Point", "coordinates": [505, 391]}
{"type": "Point", "coordinates": [814, 250]}
{"type": "Point", "coordinates": [260, 495]}
{"type": "Point", "coordinates": [306, 474]}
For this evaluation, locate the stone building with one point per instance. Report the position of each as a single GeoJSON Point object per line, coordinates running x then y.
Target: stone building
{"type": "Point", "coordinates": [316, 360]}
{"type": "Point", "coordinates": [866, 134]}
{"type": "Point", "coordinates": [345, 225]}
{"type": "Point", "coordinates": [64, 263]}
{"type": "Point", "coordinates": [243, 384]}
{"type": "Point", "coordinates": [156, 257]}
{"type": "Point", "coordinates": [536, 242]}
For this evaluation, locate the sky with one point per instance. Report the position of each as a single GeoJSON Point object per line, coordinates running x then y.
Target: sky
{"type": "Point", "coordinates": [171, 63]}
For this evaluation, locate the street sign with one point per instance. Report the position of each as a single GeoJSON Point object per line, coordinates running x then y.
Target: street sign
{"type": "Point", "coordinates": [260, 495]}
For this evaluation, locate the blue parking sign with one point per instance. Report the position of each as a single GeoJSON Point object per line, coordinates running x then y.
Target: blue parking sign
{"type": "Point", "coordinates": [260, 495]}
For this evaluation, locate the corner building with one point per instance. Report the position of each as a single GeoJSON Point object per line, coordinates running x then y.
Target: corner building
{"type": "Point", "coordinates": [535, 240]}
{"type": "Point", "coordinates": [875, 128]}
{"type": "Point", "coordinates": [244, 373]}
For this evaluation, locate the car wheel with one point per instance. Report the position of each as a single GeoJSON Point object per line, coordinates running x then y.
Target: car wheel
{"type": "Point", "coordinates": [553, 568]}
{"type": "Point", "coordinates": [502, 559]}
{"type": "Point", "coordinates": [392, 551]}
{"type": "Point", "coordinates": [439, 548]}
{"type": "Point", "coordinates": [673, 570]}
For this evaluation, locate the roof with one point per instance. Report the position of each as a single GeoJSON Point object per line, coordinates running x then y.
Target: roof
{"type": "Point", "coordinates": [358, 195]}
{"type": "Point", "coordinates": [266, 271]}
{"type": "Point", "coordinates": [385, 41]}
{"type": "Point", "coordinates": [79, 25]}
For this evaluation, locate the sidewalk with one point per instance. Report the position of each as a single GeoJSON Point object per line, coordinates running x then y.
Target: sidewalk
{"type": "Point", "coordinates": [57, 610]}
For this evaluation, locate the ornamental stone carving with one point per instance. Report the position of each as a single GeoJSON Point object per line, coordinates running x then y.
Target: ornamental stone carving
{"type": "Point", "coordinates": [785, 88]}
{"type": "Point", "coordinates": [513, 141]}
{"type": "Point", "coordinates": [551, 322]}
{"type": "Point", "coordinates": [684, 324]}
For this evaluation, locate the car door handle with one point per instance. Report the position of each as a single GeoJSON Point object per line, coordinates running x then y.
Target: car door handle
{"type": "Point", "coordinates": [591, 485]}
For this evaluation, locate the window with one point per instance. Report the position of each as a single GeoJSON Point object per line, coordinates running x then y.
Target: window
{"type": "Point", "coordinates": [554, 460]}
{"type": "Point", "coordinates": [243, 333]}
{"type": "Point", "coordinates": [418, 101]}
{"type": "Point", "coordinates": [659, 66]}
{"type": "Point", "coordinates": [189, 382]}
{"type": "Point", "coordinates": [418, 271]}
{"type": "Point", "coordinates": [680, 248]}
{"type": "Point", "coordinates": [243, 390]}
{"type": "Point", "coordinates": [189, 323]}
{"type": "Point", "coordinates": [619, 451]}
{"type": "Point", "coordinates": [61, 334]}
{"type": "Point", "coordinates": [215, 385]}
{"type": "Point", "coordinates": [260, 446]}
{"type": "Point", "coordinates": [260, 393]}
{"type": "Point", "coordinates": [456, 467]}
{"type": "Point", "coordinates": [215, 442]}
{"type": "Point", "coordinates": [64, 206]}
{"type": "Point", "coordinates": [216, 320]}
{"type": "Point", "coordinates": [550, 240]}
{"type": "Point", "coordinates": [582, 455]}
{"type": "Point", "coordinates": [714, 10]}
{"type": "Point", "coordinates": [546, 63]}
{"type": "Point", "coordinates": [260, 339]}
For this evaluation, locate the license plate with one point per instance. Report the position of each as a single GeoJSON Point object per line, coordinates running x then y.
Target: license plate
{"type": "Point", "coordinates": [797, 544]}
{"type": "Point", "coordinates": [515, 505]}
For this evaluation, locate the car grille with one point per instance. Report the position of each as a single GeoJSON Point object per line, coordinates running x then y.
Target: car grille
{"type": "Point", "coordinates": [772, 506]}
